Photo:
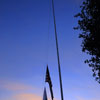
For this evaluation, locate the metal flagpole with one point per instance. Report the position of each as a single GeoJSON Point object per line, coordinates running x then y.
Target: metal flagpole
{"type": "Point", "coordinates": [61, 89]}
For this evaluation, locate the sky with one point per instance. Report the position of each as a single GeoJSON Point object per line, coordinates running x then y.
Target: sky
{"type": "Point", "coordinates": [27, 45]}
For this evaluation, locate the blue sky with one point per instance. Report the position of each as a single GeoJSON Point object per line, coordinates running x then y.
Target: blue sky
{"type": "Point", "coordinates": [27, 45]}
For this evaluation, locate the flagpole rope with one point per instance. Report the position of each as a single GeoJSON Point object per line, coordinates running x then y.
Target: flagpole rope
{"type": "Point", "coordinates": [48, 32]}
{"type": "Point", "coordinates": [48, 79]}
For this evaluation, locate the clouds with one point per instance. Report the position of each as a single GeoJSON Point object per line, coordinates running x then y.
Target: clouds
{"type": "Point", "coordinates": [23, 96]}
{"type": "Point", "coordinates": [82, 98]}
{"type": "Point", "coordinates": [14, 86]}
{"type": "Point", "coordinates": [18, 91]}
{"type": "Point", "coordinates": [26, 96]}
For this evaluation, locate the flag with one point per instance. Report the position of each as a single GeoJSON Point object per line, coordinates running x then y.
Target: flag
{"type": "Point", "coordinates": [48, 79]}
{"type": "Point", "coordinates": [45, 95]}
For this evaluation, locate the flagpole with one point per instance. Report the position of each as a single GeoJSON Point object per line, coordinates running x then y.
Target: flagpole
{"type": "Point", "coordinates": [59, 69]}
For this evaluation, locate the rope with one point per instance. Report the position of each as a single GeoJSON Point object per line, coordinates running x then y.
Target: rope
{"type": "Point", "coordinates": [48, 33]}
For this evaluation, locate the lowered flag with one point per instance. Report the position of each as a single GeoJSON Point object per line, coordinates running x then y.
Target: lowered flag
{"type": "Point", "coordinates": [45, 95]}
{"type": "Point", "coordinates": [48, 79]}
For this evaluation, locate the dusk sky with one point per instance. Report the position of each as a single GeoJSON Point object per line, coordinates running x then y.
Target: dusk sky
{"type": "Point", "coordinates": [27, 45]}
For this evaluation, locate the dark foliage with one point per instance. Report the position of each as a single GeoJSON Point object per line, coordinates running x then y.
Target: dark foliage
{"type": "Point", "coordinates": [89, 24]}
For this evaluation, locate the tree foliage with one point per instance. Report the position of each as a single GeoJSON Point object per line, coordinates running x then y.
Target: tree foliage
{"type": "Point", "coordinates": [89, 24]}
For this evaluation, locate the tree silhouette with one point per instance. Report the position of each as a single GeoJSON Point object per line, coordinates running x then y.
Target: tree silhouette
{"type": "Point", "coordinates": [89, 24]}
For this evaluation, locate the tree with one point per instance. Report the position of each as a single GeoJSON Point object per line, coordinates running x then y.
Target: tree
{"type": "Point", "coordinates": [89, 24]}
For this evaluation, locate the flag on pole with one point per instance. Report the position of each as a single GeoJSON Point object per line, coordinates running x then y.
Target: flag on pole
{"type": "Point", "coordinates": [45, 95]}
{"type": "Point", "coordinates": [48, 79]}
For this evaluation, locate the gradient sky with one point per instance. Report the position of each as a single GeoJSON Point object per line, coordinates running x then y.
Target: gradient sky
{"type": "Point", "coordinates": [27, 45]}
